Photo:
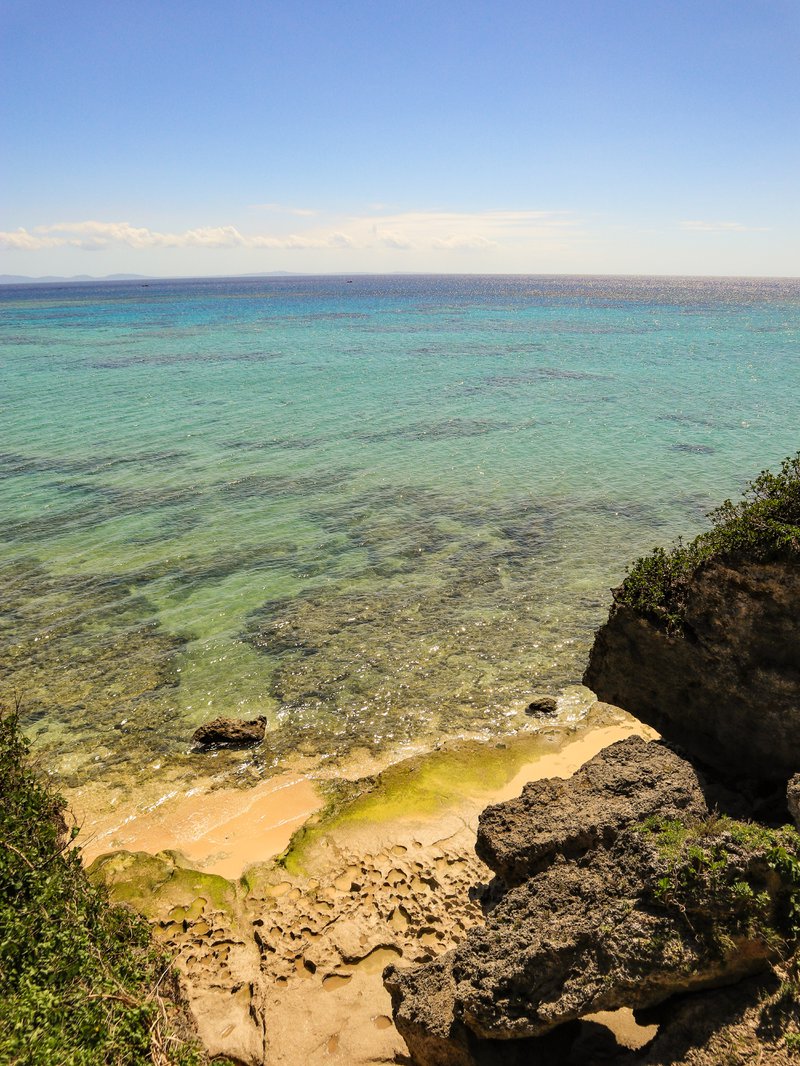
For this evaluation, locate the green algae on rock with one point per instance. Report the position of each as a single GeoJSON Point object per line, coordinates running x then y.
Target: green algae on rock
{"type": "Point", "coordinates": [423, 787]}
{"type": "Point", "coordinates": [199, 917]}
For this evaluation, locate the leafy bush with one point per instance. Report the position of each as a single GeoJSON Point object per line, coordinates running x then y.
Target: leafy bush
{"type": "Point", "coordinates": [763, 526]}
{"type": "Point", "coordinates": [81, 982]}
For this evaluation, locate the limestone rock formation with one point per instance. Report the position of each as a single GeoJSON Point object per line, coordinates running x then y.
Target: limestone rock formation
{"type": "Point", "coordinates": [199, 919]}
{"type": "Point", "coordinates": [626, 783]}
{"type": "Point", "coordinates": [727, 688]}
{"type": "Point", "coordinates": [230, 732]}
{"type": "Point", "coordinates": [624, 915]}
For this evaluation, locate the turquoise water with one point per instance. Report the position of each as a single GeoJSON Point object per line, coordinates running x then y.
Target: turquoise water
{"type": "Point", "coordinates": [379, 512]}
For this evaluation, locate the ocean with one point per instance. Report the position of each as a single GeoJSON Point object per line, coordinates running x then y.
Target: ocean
{"type": "Point", "coordinates": [379, 511]}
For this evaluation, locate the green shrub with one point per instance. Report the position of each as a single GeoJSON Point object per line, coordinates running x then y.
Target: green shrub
{"type": "Point", "coordinates": [81, 982]}
{"type": "Point", "coordinates": [763, 526]}
{"type": "Point", "coordinates": [724, 863]}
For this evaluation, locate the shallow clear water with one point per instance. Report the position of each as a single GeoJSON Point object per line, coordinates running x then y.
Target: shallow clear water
{"type": "Point", "coordinates": [378, 511]}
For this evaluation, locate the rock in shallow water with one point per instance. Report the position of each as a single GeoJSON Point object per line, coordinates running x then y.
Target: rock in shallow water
{"type": "Point", "coordinates": [230, 733]}
{"type": "Point", "coordinates": [542, 707]}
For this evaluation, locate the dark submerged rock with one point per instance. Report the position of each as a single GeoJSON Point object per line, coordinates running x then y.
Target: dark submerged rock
{"type": "Point", "coordinates": [230, 733]}
{"type": "Point", "coordinates": [542, 707]}
{"type": "Point", "coordinates": [726, 688]}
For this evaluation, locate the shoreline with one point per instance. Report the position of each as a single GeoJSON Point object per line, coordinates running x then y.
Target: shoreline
{"type": "Point", "coordinates": [222, 828]}
{"type": "Point", "coordinates": [276, 960]}
{"type": "Point", "coordinates": [221, 831]}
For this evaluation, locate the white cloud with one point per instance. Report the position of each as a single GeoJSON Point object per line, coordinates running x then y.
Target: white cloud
{"type": "Point", "coordinates": [462, 231]}
{"type": "Point", "coordinates": [473, 242]}
{"type": "Point", "coordinates": [393, 240]}
{"type": "Point", "coordinates": [443, 231]}
{"type": "Point", "coordinates": [341, 240]}
{"type": "Point", "coordinates": [93, 236]}
{"type": "Point", "coordinates": [22, 240]}
{"type": "Point", "coordinates": [301, 212]}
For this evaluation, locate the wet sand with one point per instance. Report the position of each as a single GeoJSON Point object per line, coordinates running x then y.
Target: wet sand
{"type": "Point", "coordinates": [221, 831]}
{"type": "Point", "coordinates": [225, 830]}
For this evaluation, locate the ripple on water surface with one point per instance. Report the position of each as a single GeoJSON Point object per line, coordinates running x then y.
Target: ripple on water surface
{"type": "Point", "coordinates": [380, 513]}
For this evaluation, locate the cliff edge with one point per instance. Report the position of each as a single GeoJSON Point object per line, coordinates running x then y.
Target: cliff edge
{"type": "Point", "coordinates": [703, 640]}
{"type": "Point", "coordinates": [726, 684]}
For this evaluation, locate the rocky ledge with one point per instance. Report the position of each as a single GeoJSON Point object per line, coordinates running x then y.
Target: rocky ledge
{"type": "Point", "coordinates": [616, 888]}
{"type": "Point", "coordinates": [726, 685]}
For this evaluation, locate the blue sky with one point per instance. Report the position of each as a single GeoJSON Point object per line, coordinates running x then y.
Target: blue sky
{"type": "Point", "coordinates": [614, 136]}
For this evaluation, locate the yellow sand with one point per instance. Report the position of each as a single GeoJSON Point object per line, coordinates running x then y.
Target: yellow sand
{"type": "Point", "coordinates": [220, 831]}
{"type": "Point", "coordinates": [225, 830]}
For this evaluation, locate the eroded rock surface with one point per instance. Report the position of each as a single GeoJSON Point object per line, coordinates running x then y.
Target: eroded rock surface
{"type": "Point", "coordinates": [628, 914]}
{"type": "Point", "coordinates": [201, 921]}
{"type": "Point", "coordinates": [596, 935]}
{"type": "Point", "coordinates": [727, 689]}
{"type": "Point", "coordinates": [625, 783]}
{"type": "Point", "coordinates": [285, 968]}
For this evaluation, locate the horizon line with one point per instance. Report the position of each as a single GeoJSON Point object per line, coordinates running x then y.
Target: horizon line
{"type": "Point", "coordinates": [121, 278]}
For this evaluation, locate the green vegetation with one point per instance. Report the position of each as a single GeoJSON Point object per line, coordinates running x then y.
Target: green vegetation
{"type": "Point", "coordinates": [764, 525]}
{"type": "Point", "coordinates": [738, 877]}
{"type": "Point", "coordinates": [81, 982]}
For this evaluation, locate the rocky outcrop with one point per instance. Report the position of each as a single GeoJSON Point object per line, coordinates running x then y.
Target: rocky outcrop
{"type": "Point", "coordinates": [230, 733]}
{"type": "Point", "coordinates": [626, 783]}
{"type": "Point", "coordinates": [624, 915]}
{"type": "Point", "coordinates": [793, 799]}
{"type": "Point", "coordinates": [726, 688]}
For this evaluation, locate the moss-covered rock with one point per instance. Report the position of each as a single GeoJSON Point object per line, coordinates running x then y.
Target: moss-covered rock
{"type": "Point", "coordinates": [764, 526]}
